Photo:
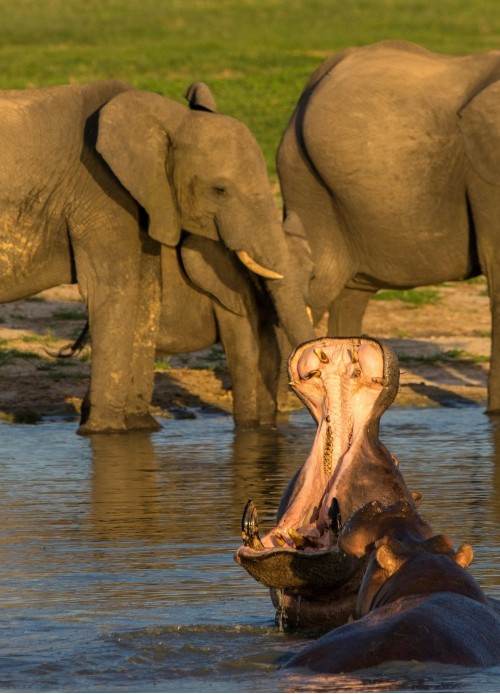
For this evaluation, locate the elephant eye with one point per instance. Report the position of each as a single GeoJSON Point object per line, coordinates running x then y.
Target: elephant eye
{"type": "Point", "coordinates": [219, 190]}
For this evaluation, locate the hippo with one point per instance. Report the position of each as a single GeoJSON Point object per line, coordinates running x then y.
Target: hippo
{"type": "Point", "coordinates": [346, 384]}
{"type": "Point", "coordinates": [416, 601]}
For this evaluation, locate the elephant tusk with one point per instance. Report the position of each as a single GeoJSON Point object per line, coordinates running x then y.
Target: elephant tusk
{"type": "Point", "coordinates": [252, 265]}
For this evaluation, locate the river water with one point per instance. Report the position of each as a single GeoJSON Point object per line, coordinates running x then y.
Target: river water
{"type": "Point", "coordinates": [116, 564]}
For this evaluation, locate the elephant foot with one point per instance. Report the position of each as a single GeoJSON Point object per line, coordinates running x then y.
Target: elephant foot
{"type": "Point", "coordinates": [102, 425]}
{"type": "Point", "coordinates": [87, 430]}
{"type": "Point", "coordinates": [142, 421]}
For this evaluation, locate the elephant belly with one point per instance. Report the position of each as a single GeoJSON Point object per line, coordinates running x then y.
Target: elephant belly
{"type": "Point", "coordinates": [186, 326]}
{"type": "Point", "coordinates": [35, 254]}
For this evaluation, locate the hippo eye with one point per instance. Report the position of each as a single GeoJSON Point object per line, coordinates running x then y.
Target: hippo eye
{"type": "Point", "coordinates": [312, 374]}
{"type": "Point", "coordinates": [356, 373]}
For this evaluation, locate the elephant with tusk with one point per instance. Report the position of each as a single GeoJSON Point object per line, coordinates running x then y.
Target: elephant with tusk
{"type": "Point", "coordinates": [96, 181]}
{"type": "Point", "coordinates": [209, 296]}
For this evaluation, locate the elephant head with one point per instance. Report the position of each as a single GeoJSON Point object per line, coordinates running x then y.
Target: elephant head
{"type": "Point", "coordinates": [195, 170]}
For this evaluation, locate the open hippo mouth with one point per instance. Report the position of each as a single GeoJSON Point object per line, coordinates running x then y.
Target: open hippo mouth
{"type": "Point", "coordinates": [347, 384]}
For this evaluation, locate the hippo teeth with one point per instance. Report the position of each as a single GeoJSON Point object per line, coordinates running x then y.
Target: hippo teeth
{"type": "Point", "coordinates": [250, 527]}
{"type": "Point", "coordinates": [302, 541]}
{"type": "Point", "coordinates": [250, 533]}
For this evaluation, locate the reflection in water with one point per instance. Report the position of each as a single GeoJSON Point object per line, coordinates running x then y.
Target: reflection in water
{"type": "Point", "coordinates": [125, 487]}
{"type": "Point", "coordinates": [495, 487]}
{"type": "Point", "coordinates": [117, 569]}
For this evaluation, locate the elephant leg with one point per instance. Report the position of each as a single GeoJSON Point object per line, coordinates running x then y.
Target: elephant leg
{"type": "Point", "coordinates": [253, 359]}
{"type": "Point", "coordinates": [491, 271]}
{"type": "Point", "coordinates": [493, 407]}
{"type": "Point", "coordinates": [485, 208]}
{"type": "Point", "coordinates": [141, 378]}
{"type": "Point", "coordinates": [283, 389]}
{"type": "Point", "coordinates": [347, 311]}
{"type": "Point", "coordinates": [109, 276]}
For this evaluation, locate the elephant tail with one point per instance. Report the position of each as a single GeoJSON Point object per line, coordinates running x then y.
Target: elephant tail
{"type": "Point", "coordinates": [71, 349]}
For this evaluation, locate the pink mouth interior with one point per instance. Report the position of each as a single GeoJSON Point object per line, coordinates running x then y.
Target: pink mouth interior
{"type": "Point", "coordinates": [339, 381]}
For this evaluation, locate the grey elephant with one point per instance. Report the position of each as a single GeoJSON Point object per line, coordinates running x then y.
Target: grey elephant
{"type": "Point", "coordinates": [209, 296]}
{"type": "Point", "coordinates": [94, 180]}
{"type": "Point", "coordinates": [390, 165]}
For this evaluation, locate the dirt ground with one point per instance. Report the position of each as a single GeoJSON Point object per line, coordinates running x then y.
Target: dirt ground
{"type": "Point", "coordinates": [443, 350]}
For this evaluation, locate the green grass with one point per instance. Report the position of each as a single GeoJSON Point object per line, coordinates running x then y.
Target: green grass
{"type": "Point", "coordinates": [451, 355]}
{"type": "Point", "coordinates": [7, 355]}
{"type": "Point", "coordinates": [69, 315]}
{"type": "Point", "coordinates": [254, 54]}
{"type": "Point", "coordinates": [415, 297]}
{"type": "Point", "coordinates": [162, 364]}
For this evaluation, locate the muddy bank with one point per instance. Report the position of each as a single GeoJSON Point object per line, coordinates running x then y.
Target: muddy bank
{"type": "Point", "coordinates": [443, 347]}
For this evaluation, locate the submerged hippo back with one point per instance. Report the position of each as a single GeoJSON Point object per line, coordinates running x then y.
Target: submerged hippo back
{"type": "Point", "coordinates": [442, 628]}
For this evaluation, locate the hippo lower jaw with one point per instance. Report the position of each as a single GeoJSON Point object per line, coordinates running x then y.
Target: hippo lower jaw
{"type": "Point", "coordinates": [295, 569]}
{"type": "Point", "coordinates": [346, 384]}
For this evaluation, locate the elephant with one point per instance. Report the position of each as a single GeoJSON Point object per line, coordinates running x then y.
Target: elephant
{"type": "Point", "coordinates": [390, 166]}
{"type": "Point", "coordinates": [416, 602]}
{"type": "Point", "coordinates": [347, 384]}
{"type": "Point", "coordinates": [95, 180]}
{"type": "Point", "coordinates": [209, 296]}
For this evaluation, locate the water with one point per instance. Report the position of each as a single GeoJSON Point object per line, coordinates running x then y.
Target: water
{"type": "Point", "coordinates": [116, 568]}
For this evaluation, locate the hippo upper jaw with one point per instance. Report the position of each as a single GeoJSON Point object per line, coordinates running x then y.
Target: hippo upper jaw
{"type": "Point", "coordinates": [346, 384]}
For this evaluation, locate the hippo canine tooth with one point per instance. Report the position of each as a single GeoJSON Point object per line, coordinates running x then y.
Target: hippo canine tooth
{"type": "Point", "coordinates": [250, 527]}
{"type": "Point", "coordinates": [280, 539]}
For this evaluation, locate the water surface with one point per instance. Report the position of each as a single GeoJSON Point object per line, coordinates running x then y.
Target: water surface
{"type": "Point", "coordinates": [117, 568]}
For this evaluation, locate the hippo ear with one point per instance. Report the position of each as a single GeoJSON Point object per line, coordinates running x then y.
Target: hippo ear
{"type": "Point", "coordinates": [464, 555]}
{"type": "Point", "coordinates": [417, 498]}
{"type": "Point", "coordinates": [439, 544]}
{"type": "Point", "coordinates": [386, 559]}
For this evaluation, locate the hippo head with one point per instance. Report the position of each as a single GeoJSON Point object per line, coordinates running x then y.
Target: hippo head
{"type": "Point", "coordinates": [405, 558]}
{"type": "Point", "coordinates": [347, 384]}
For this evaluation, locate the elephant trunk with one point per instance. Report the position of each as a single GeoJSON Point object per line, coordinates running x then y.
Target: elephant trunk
{"type": "Point", "coordinates": [291, 308]}
{"type": "Point", "coordinates": [262, 248]}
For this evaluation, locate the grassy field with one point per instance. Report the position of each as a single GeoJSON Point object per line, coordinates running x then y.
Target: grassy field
{"type": "Point", "coordinates": [255, 54]}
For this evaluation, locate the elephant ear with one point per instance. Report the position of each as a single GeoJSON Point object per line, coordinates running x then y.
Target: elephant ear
{"type": "Point", "coordinates": [135, 145]}
{"type": "Point", "coordinates": [210, 266]}
{"type": "Point", "coordinates": [479, 122]}
{"type": "Point", "coordinates": [200, 97]}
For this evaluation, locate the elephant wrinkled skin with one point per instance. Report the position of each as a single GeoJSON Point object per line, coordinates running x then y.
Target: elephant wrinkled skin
{"type": "Point", "coordinates": [208, 296]}
{"type": "Point", "coordinates": [95, 179]}
{"type": "Point", "coordinates": [390, 165]}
